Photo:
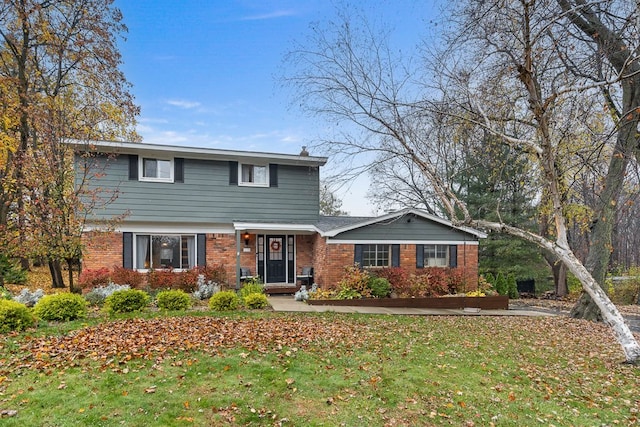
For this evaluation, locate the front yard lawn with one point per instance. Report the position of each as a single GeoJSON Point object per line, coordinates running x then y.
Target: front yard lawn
{"type": "Point", "coordinates": [272, 369]}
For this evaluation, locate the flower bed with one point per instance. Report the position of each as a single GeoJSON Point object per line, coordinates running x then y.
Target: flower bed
{"type": "Point", "coordinates": [486, 303]}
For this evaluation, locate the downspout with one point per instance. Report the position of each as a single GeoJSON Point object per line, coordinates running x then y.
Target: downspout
{"type": "Point", "coordinates": [237, 260]}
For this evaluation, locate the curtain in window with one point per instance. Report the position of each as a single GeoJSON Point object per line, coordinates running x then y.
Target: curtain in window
{"type": "Point", "coordinates": [142, 252]}
{"type": "Point", "coordinates": [191, 251]}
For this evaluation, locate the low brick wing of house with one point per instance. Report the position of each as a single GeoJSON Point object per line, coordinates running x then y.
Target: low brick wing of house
{"type": "Point", "coordinates": [255, 213]}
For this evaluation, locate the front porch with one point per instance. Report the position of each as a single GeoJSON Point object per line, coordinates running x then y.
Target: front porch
{"type": "Point", "coordinates": [274, 253]}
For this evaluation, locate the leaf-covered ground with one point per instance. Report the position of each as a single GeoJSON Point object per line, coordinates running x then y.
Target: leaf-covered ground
{"type": "Point", "coordinates": [320, 369]}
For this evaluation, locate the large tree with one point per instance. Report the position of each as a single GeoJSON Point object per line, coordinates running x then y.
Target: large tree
{"type": "Point", "coordinates": [59, 80]}
{"type": "Point", "coordinates": [503, 72]}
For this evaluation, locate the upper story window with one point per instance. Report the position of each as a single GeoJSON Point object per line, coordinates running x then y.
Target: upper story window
{"type": "Point", "coordinates": [257, 175]}
{"type": "Point", "coordinates": [436, 255]}
{"type": "Point", "coordinates": [156, 169]}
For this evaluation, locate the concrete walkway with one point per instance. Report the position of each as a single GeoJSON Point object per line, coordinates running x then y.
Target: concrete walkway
{"type": "Point", "coordinates": [286, 303]}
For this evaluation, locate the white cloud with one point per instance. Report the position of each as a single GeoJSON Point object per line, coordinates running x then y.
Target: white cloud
{"type": "Point", "coordinates": [270, 15]}
{"type": "Point", "coordinates": [181, 103]}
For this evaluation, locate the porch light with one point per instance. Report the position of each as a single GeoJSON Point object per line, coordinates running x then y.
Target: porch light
{"type": "Point", "coordinates": [245, 236]}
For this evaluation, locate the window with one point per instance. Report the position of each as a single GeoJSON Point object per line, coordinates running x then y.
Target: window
{"type": "Point", "coordinates": [376, 256]}
{"type": "Point", "coordinates": [253, 175]}
{"type": "Point", "coordinates": [156, 170]}
{"type": "Point", "coordinates": [165, 251]}
{"type": "Point", "coordinates": [436, 255]}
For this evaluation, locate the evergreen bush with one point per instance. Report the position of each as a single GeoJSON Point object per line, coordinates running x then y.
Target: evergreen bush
{"type": "Point", "coordinates": [253, 286]}
{"type": "Point", "coordinates": [380, 287]}
{"type": "Point", "coordinates": [126, 301]}
{"type": "Point", "coordinates": [501, 285]}
{"type": "Point", "coordinates": [61, 307]}
{"type": "Point", "coordinates": [11, 271]}
{"type": "Point", "coordinates": [512, 287]}
{"type": "Point", "coordinates": [173, 300]}
{"type": "Point", "coordinates": [15, 316]}
{"type": "Point", "coordinates": [256, 300]}
{"type": "Point", "coordinates": [224, 301]}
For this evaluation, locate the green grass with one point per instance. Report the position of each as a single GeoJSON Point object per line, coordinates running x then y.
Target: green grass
{"type": "Point", "coordinates": [265, 369]}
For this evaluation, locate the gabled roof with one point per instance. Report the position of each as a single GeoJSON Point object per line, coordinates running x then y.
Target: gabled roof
{"type": "Point", "coordinates": [196, 152]}
{"type": "Point", "coordinates": [332, 226]}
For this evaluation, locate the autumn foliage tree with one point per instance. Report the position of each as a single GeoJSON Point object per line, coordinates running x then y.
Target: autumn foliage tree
{"type": "Point", "coordinates": [59, 80]}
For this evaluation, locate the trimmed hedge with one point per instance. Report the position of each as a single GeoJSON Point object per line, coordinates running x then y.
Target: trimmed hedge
{"type": "Point", "coordinates": [61, 307]}
{"type": "Point", "coordinates": [173, 300]}
{"type": "Point", "coordinates": [126, 301]}
{"type": "Point", "coordinates": [15, 316]}
{"type": "Point", "coordinates": [224, 301]}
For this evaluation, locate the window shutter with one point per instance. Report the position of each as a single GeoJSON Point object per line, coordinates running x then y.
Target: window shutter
{"type": "Point", "coordinates": [127, 250]}
{"type": "Point", "coordinates": [357, 258]}
{"type": "Point", "coordinates": [178, 169]}
{"type": "Point", "coordinates": [233, 173]}
{"type": "Point", "coordinates": [202, 250]}
{"type": "Point", "coordinates": [395, 255]}
{"type": "Point", "coordinates": [419, 256]}
{"type": "Point", "coordinates": [273, 175]}
{"type": "Point", "coordinates": [133, 167]}
{"type": "Point", "coordinates": [453, 256]}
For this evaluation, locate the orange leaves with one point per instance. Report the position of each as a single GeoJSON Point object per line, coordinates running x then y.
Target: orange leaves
{"type": "Point", "coordinates": [115, 343]}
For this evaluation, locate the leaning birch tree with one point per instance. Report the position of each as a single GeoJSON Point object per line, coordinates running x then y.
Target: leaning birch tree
{"type": "Point", "coordinates": [505, 75]}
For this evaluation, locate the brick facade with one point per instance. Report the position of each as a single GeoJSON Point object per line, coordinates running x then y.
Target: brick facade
{"type": "Point", "coordinates": [328, 260]}
{"type": "Point", "coordinates": [331, 259]}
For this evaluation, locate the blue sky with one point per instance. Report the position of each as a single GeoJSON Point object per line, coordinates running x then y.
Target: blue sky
{"type": "Point", "coordinates": [206, 72]}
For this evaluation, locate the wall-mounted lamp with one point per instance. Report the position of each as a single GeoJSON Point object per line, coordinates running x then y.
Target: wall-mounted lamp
{"type": "Point", "coordinates": [245, 236]}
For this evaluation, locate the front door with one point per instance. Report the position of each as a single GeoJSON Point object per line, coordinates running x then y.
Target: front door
{"type": "Point", "coordinates": [276, 260]}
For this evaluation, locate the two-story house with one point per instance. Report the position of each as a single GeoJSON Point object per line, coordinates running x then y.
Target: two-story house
{"type": "Point", "coordinates": [182, 207]}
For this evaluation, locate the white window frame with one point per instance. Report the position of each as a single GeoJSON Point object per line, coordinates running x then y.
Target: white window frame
{"type": "Point", "coordinates": [431, 261]}
{"type": "Point", "coordinates": [253, 184]}
{"type": "Point", "coordinates": [153, 234]}
{"type": "Point", "coordinates": [378, 245]}
{"type": "Point", "coordinates": [156, 179]}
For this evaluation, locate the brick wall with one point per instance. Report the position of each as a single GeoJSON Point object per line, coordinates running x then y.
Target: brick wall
{"type": "Point", "coordinates": [331, 259]}
{"type": "Point", "coordinates": [101, 250]}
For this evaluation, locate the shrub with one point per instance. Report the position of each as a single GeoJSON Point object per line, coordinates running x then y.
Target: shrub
{"type": "Point", "coordinates": [253, 286]}
{"type": "Point", "coordinates": [162, 279]}
{"type": "Point", "coordinates": [322, 294]}
{"type": "Point", "coordinates": [15, 316]}
{"type": "Point", "coordinates": [4, 294]}
{"type": "Point", "coordinates": [512, 287]}
{"type": "Point", "coordinates": [63, 306]}
{"type": "Point", "coordinates": [256, 300]}
{"type": "Point", "coordinates": [174, 299]}
{"type": "Point", "coordinates": [127, 276]}
{"type": "Point", "coordinates": [216, 273]}
{"type": "Point", "coordinates": [205, 289]}
{"type": "Point", "coordinates": [355, 281]}
{"type": "Point", "coordinates": [501, 285]}
{"type": "Point", "coordinates": [186, 280]}
{"type": "Point", "coordinates": [224, 301]}
{"type": "Point", "coordinates": [29, 298]}
{"type": "Point", "coordinates": [347, 293]}
{"type": "Point", "coordinates": [126, 301]}
{"type": "Point", "coordinates": [11, 271]}
{"type": "Point", "coordinates": [379, 286]}
{"type": "Point", "coordinates": [98, 295]}
{"type": "Point", "coordinates": [90, 279]}
{"type": "Point", "coordinates": [397, 276]}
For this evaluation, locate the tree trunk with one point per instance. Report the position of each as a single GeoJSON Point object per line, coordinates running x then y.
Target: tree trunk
{"type": "Point", "coordinates": [70, 266]}
{"type": "Point", "coordinates": [586, 308]}
{"type": "Point", "coordinates": [560, 279]}
{"type": "Point", "coordinates": [56, 274]}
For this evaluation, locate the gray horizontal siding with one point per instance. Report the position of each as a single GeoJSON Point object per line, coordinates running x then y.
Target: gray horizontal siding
{"type": "Point", "coordinates": [406, 228]}
{"type": "Point", "coordinates": [206, 196]}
